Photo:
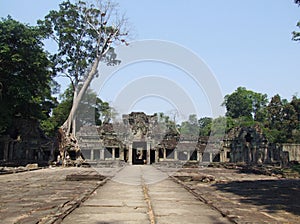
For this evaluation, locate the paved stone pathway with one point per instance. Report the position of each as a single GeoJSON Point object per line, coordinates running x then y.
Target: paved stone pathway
{"type": "Point", "coordinates": [143, 194]}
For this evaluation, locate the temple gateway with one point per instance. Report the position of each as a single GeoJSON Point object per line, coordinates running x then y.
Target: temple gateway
{"type": "Point", "coordinates": [141, 139]}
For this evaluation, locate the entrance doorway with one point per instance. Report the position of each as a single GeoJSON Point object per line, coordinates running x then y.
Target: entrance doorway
{"type": "Point", "coordinates": [152, 156]}
{"type": "Point", "coordinates": [139, 153]}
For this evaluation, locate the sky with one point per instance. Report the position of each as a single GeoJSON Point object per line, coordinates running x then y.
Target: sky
{"type": "Point", "coordinates": [243, 43]}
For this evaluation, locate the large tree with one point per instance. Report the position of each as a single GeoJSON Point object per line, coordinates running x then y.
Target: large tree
{"type": "Point", "coordinates": [245, 103]}
{"type": "Point", "coordinates": [85, 34]}
{"type": "Point", "coordinates": [296, 132]}
{"type": "Point", "coordinates": [205, 124]}
{"type": "Point", "coordinates": [282, 123]}
{"type": "Point", "coordinates": [25, 77]}
{"type": "Point", "coordinates": [190, 128]}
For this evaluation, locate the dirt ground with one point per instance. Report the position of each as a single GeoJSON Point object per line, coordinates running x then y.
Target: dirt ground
{"type": "Point", "coordinates": [45, 196]}
{"type": "Point", "coordinates": [42, 196]}
{"type": "Point", "coordinates": [244, 197]}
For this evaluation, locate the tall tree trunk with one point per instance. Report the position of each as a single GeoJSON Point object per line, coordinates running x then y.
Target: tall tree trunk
{"type": "Point", "coordinates": [67, 140]}
{"type": "Point", "coordinates": [72, 125]}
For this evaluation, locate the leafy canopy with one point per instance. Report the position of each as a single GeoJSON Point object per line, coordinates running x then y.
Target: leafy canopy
{"type": "Point", "coordinates": [25, 75]}
{"type": "Point", "coordinates": [245, 103]}
{"type": "Point", "coordinates": [83, 32]}
{"type": "Point", "coordinates": [296, 35]}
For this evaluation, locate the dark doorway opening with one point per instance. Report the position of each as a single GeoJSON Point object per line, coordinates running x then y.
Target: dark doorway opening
{"type": "Point", "coordinates": [117, 153]}
{"type": "Point", "coordinates": [152, 156]}
{"type": "Point", "coordinates": [194, 156]}
{"type": "Point", "coordinates": [217, 158]}
{"type": "Point", "coordinates": [139, 153]}
{"type": "Point", "coordinates": [1, 151]}
{"type": "Point", "coordinates": [126, 155]}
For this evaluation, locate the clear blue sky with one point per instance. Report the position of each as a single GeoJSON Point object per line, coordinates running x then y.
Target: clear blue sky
{"type": "Point", "coordinates": [245, 43]}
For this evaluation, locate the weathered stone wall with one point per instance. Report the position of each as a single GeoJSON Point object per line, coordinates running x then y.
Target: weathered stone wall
{"type": "Point", "coordinates": [293, 151]}
{"type": "Point", "coordinates": [241, 144]}
{"type": "Point", "coordinates": [249, 145]}
{"type": "Point", "coordinates": [25, 143]}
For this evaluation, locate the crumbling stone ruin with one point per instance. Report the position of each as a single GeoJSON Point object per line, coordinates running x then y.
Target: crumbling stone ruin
{"type": "Point", "coordinates": [142, 139]}
{"type": "Point", "coordinates": [249, 145]}
{"type": "Point", "coordinates": [25, 143]}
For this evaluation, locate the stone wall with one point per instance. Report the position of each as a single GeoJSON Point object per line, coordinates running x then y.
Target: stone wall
{"type": "Point", "coordinates": [293, 151]}
{"type": "Point", "coordinates": [249, 145]}
{"type": "Point", "coordinates": [241, 144]}
{"type": "Point", "coordinates": [25, 143]}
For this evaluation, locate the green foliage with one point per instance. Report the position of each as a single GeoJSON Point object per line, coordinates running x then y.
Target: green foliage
{"type": "Point", "coordinates": [167, 124]}
{"type": "Point", "coordinates": [83, 32]}
{"type": "Point", "coordinates": [245, 103]}
{"type": "Point", "coordinates": [275, 113]}
{"type": "Point", "coordinates": [190, 127]}
{"type": "Point", "coordinates": [282, 122]}
{"type": "Point", "coordinates": [279, 119]}
{"type": "Point", "coordinates": [205, 124]}
{"type": "Point", "coordinates": [92, 111]}
{"type": "Point", "coordinates": [59, 113]}
{"type": "Point", "coordinates": [219, 126]}
{"type": "Point", "coordinates": [105, 111]}
{"type": "Point", "coordinates": [68, 27]}
{"type": "Point", "coordinates": [25, 75]}
{"type": "Point", "coordinates": [296, 35]}
{"type": "Point", "coordinates": [243, 122]}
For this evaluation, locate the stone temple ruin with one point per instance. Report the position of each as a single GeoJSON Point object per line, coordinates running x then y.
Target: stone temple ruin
{"type": "Point", "coordinates": [141, 139]}
{"type": "Point", "coordinates": [26, 143]}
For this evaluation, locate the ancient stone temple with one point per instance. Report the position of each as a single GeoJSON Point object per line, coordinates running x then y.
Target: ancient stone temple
{"type": "Point", "coordinates": [249, 145]}
{"type": "Point", "coordinates": [140, 139]}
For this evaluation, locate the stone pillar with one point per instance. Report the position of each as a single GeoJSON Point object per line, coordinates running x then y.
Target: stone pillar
{"type": "Point", "coordinates": [156, 155]}
{"type": "Point", "coordinates": [253, 154]}
{"type": "Point", "coordinates": [6, 149]}
{"type": "Point", "coordinates": [11, 151]}
{"type": "Point", "coordinates": [250, 149]}
{"type": "Point", "coordinates": [222, 157]}
{"type": "Point", "coordinates": [271, 154]}
{"type": "Point", "coordinates": [113, 153]}
{"type": "Point", "coordinates": [130, 154]}
{"type": "Point", "coordinates": [27, 154]}
{"type": "Point", "coordinates": [40, 155]}
{"type": "Point", "coordinates": [92, 154]}
{"type": "Point", "coordinates": [148, 152]}
{"type": "Point", "coordinates": [266, 159]}
{"type": "Point", "coordinates": [175, 154]}
{"type": "Point", "coordinates": [199, 156]}
{"type": "Point", "coordinates": [210, 157]}
{"type": "Point", "coordinates": [121, 155]}
{"type": "Point", "coordinates": [102, 154]}
{"type": "Point", "coordinates": [188, 155]}
{"type": "Point", "coordinates": [165, 154]}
